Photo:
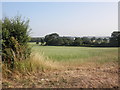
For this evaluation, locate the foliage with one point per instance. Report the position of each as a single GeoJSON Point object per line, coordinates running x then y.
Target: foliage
{"type": "Point", "coordinates": [15, 35]}
{"type": "Point", "coordinates": [77, 42]}
{"type": "Point", "coordinates": [55, 40]}
{"type": "Point", "coordinates": [115, 38]}
{"type": "Point", "coordinates": [51, 39]}
{"type": "Point", "coordinates": [86, 40]}
{"type": "Point", "coordinates": [42, 41]}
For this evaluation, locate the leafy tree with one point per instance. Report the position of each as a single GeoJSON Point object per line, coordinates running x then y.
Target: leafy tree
{"type": "Point", "coordinates": [77, 42]}
{"type": "Point", "coordinates": [93, 39]}
{"type": "Point", "coordinates": [115, 38]}
{"type": "Point", "coordinates": [86, 40]}
{"type": "Point", "coordinates": [67, 41]}
{"type": "Point", "coordinates": [51, 39]}
{"type": "Point", "coordinates": [99, 40]}
{"type": "Point", "coordinates": [60, 41]}
{"type": "Point", "coordinates": [15, 35]}
{"type": "Point", "coordinates": [105, 40]}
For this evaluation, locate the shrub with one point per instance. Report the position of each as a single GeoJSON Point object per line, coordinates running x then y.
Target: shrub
{"type": "Point", "coordinates": [15, 35]}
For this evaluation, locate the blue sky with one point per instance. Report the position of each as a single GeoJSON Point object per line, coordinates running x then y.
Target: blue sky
{"type": "Point", "coordinates": [67, 18]}
{"type": "Point", "coordinates": [0, 10]}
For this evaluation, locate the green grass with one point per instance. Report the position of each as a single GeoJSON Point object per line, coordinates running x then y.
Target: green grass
{"type": "Point", "coordinates": [80, 54]}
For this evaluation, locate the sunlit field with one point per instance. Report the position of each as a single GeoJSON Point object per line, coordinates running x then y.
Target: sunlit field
{"type": "Point", "coordinates": [79, 54]}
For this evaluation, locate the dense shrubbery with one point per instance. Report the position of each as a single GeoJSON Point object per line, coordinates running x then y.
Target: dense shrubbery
{"type": "Point", "coordinates": [14, 40]}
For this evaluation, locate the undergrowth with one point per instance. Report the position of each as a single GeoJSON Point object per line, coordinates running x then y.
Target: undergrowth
{"type": "Point", "coordinates": [36, 63]}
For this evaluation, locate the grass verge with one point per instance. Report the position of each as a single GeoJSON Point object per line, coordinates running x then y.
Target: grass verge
{"type": "Point", "coordinates": [36, 63]}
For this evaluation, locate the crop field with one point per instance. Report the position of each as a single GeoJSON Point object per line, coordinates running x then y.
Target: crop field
{"type": "Point", "coordinates": [79, 54]}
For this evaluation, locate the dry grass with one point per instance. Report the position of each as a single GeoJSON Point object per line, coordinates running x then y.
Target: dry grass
{"type": "Point", "coordinates": [24, 71]}
{"type": "Point", "coordinates": [39, 62]}
{"type": "Point", "coordinates": [36, 63]}
{"type": "Point", "coordinates": [87, 75]}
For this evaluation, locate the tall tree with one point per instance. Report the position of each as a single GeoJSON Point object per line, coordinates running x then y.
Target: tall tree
{"type": "Point", "coordinates": [51, 39]}
{"type": "Point", "coordinates": [115, 38]}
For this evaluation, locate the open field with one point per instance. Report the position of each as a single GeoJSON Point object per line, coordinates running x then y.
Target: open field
{"type": "Point", "coordinates": [79, 54]}
{"type": "Point", "coordinates": [71, 67]}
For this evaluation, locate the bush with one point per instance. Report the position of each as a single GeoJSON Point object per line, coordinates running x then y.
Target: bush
{"type": "Point", "coordinates": [15, 35]}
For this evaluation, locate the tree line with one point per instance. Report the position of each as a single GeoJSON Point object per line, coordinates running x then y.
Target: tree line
{"type": "Point", "coordinates": [55, 40]}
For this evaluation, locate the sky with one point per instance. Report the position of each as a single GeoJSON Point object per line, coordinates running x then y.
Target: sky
{"type": "Point", "coordinates": [66, 18]}
{"type": "Point", "coordinates": [0, 10]}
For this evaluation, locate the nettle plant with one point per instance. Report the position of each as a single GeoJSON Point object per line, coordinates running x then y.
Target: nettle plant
{"type": "Point", "coordinates": [15, 35]}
